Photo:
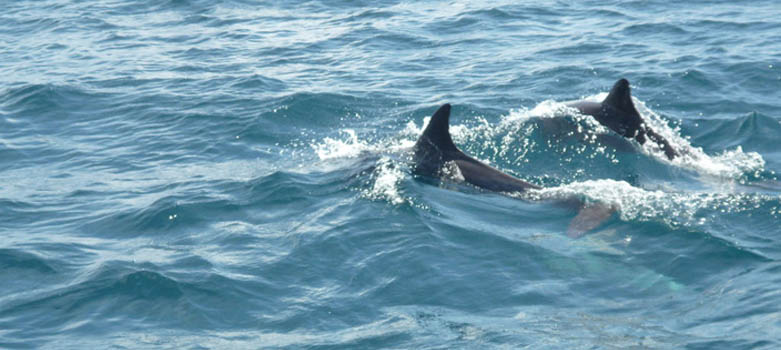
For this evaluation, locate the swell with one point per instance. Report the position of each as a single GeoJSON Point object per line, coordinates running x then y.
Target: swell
{"type": "Point", "coordinates": [234, 173]}
{"type": "Point", "coordinates": [752, 131]}
{"type": "Point", "coordinates": [504, 141]}
{"type": "Point", "coordinates": [68, 125]}
{"type": "Point", "coordinates": [122, 296]}
{"type": "Point", "coordinates": [11, 259]}
{"type": "Point", "coordinates": [190, 204]}
{"type": "Point", "coordinates": [46, 99]}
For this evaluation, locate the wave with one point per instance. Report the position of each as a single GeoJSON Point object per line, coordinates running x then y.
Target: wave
{"type": "Point", "coordinates": [124, 296]}
{"type": "Point", "coordinates": [23, 262]}
{"type": "Point", "coordinates": [754, 130]}
{"type": "Point", "coordinates": [42, 99]}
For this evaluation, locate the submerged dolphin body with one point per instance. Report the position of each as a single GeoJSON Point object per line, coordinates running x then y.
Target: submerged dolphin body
{"type": "Point", "coordinates": [618, 113]}
{"type": "Point", "coordinates": [437, 156]}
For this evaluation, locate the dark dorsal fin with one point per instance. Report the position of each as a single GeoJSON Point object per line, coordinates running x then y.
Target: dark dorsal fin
{"type": "Point", "coordinates": [437, 132]}
{"type": "Point", "coordinates": [620, 97]}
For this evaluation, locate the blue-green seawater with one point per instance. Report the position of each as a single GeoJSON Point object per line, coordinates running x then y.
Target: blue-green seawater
{"type": "Point", "coordinates": [235, 174]}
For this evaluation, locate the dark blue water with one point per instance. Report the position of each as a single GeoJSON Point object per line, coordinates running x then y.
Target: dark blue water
{"type": "Point", "coordinates": [235, 174]}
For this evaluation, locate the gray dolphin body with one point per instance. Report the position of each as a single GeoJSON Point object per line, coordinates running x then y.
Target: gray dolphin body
{"type": "Point", "coordinates": [618, 113]}
{"type": "Point", "coordinates": [435, 152]}
{"type": "Point", "coordinates": [435, 149]}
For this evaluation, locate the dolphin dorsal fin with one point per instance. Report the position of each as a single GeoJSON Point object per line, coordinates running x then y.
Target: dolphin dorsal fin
{"type": "Point", "coordinates": [437, 132]}
{"type": "Point", "coordinates": [620, 97]}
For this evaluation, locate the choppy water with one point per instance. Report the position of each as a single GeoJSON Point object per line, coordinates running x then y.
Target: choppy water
{"type": "Point", "coordinates": [235, 174]}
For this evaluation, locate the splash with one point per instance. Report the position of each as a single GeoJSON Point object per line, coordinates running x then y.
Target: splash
{"type": "Point", "coordinates": [633, 203]}
{"type": "Point", "coordinates": [730, 164]}
{"type": "Point", "coordinates": [385, 181]}
{"type": "Point", "coordinates": [387, 172]}
{"type": "Point", "coordinates": [507, 140]}
{"type": "Point", "coordinates": [451, 172]}
{"type": "Point", "coordinates": [350, 147]}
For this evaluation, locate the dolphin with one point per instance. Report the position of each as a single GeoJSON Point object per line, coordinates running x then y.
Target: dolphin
{"type": "Point", "coordinates": [618, 113]}
{"type": "Point", "coordinates": [435, 155]}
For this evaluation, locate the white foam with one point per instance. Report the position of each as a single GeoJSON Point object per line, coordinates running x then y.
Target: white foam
{"type": "Point", "coordinates": [385, 181]}
{"type": "Point", "coordinates": [730, 164]}
{"type": "Point", "coordinates": [633, 203]}
{"type": "Point", "coordinates": [350, 147]}
{"type": "Point", "coordinates": [551, 109]}
{"type": "Point", "coordinates": [452, 172]}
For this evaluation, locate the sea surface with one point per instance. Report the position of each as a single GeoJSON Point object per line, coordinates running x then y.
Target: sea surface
{"type": "Point", "coordinates": [235, 174]}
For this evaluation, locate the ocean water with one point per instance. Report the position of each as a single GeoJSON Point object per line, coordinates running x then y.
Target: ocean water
{"type": "Point", "coordinates": [235, 174]}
